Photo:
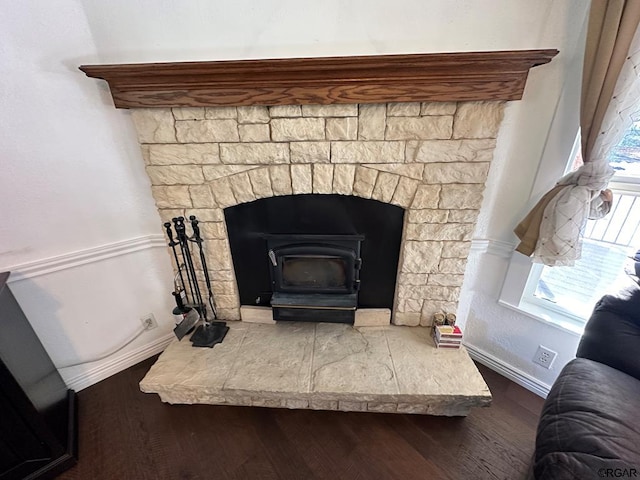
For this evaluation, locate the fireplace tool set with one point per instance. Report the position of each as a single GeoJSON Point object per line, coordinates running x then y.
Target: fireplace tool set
{"type": "Point", "coordinates": [190, 303]}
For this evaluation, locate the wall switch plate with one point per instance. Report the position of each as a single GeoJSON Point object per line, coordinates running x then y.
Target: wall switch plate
{"type": "Point", "coordinates": [148, 321]}
{"type": "Point", "coordinates": [544, 357]}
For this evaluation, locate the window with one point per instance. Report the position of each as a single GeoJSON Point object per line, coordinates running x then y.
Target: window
{"type": "Point", "coordinates": [608, 242]}
{"type": "Point", "coordinates": [564, 297]}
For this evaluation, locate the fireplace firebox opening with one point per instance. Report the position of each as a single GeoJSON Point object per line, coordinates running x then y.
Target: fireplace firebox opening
{"type": "Point", "coordinates": [315, 257]}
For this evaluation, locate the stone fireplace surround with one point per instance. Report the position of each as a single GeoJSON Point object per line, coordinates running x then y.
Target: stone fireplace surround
{"type": "Point", "coordinates": [431, 158]}
{"type": "Point", "coordinates": [416, 131]}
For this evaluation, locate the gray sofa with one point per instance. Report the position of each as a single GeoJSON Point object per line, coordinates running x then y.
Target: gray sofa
{"type": "Point", "coordinates": [590, 423]}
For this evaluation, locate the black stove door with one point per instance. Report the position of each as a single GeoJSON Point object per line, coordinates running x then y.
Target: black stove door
{"type": "Point", "coordinates": [314, 268]}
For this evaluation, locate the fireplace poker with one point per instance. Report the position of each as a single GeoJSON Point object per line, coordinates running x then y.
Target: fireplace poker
{"type": "Point", "coordinates": [198, 239]}
{"type": "Point", "coordinates": [172, 244]}
{"type": "Point", "coordinates": [191, 272]}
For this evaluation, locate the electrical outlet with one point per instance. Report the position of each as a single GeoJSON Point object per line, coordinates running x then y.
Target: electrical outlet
{"type": "Point", "coordinates": [149, 321]}
{"type": "Point", "coordinates": [544, 357]}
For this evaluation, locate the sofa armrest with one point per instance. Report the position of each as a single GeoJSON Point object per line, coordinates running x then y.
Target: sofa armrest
{"type": "Point", "coordinates": [612, 334]}
{"type": "Point", "coordinates": [588, 422]}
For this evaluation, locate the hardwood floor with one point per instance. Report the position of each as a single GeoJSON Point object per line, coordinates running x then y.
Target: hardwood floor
{"type": "Point", "coordinates": [125, 434]}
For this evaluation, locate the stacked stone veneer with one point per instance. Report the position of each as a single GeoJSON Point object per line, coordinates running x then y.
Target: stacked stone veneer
{"type": "Point", "coordinates": [430, 158]}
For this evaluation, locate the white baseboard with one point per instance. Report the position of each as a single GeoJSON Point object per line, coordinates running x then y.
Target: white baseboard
{"type": "Point", "coordinates": [82, 257]}
{"type": "Point", "coordinates": [104, 370]}
{"type": "Point", "coordinates": [517, 376]}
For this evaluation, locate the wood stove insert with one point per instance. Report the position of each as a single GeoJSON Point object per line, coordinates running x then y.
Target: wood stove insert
{"type": "Point", "coordinates": [314, 277]}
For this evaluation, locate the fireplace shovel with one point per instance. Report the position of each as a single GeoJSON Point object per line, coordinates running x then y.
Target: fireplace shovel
{"type": "Point", "coordinates": [189, 317]}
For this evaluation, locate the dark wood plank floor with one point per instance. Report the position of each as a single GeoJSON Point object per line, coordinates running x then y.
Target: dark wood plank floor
{"type": "Point", "coordinates": [125, 434]}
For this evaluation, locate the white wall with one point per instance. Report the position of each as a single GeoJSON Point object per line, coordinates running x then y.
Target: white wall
{"type": "Point", "coordinates": [73, 178]}
{"type": "Point", "coordinates": [538, 132]}
{"type": "Point", "coordinates": [535, 143]}
{"type": "Point", "coordinates": [74, 197]}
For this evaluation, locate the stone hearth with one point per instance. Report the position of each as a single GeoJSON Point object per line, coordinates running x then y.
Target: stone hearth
{"type": "Point", "coordinates": [321, 366]}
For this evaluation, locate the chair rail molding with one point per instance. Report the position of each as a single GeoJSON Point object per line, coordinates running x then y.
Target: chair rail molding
{"type": "Point", "coordinates": [57, 263]}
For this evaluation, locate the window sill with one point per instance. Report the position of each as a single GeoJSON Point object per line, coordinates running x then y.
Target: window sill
{"type": "Point", "coordinates": [549, 317]}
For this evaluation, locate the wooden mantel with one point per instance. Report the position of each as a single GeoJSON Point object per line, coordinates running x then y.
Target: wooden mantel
{"type": "Point", "coordinates": [440, 77]}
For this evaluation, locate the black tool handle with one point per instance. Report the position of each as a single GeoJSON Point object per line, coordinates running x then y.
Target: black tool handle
{"type": "Point", "coordinates": [178, 298]}
{"type": "Point", "coordinates": [167, 226]}
{"type": "Point", "coordinates": [196, 228]}
{"type": "Point", "coordinates": [180, 228]}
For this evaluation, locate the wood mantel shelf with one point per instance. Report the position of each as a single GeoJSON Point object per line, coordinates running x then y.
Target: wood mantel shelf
{"type": "Point", "coordinates": [440, 77]}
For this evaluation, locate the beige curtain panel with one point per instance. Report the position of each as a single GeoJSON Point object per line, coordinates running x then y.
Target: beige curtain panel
{"type": "Point", "coordinates": [612, 26]}
{"type": "Point", "coordinates": [551, 232]}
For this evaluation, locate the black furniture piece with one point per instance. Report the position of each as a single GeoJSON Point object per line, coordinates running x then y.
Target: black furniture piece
{"type": "Point", "coordinates": [590, 422]}
{"type": "Point", "coordinates": [37, 411]}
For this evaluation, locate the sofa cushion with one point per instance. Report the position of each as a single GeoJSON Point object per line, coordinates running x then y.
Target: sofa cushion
{"type": "Point", "coordinates": [612, 335]}
{"type": "Point", "coordinates": [589, 422]}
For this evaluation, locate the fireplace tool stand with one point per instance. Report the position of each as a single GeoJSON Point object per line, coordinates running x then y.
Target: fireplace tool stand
{"type": "Point", "coordinates": [188, 295]}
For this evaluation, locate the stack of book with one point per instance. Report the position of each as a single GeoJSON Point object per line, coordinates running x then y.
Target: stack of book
{"type": "Point", "coordinates": [447, 336]}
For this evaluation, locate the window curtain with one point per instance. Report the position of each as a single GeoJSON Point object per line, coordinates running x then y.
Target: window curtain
{"type": "Point", "coordinates": [551, 232]}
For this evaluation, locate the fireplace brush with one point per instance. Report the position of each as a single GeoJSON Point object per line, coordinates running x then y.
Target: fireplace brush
{"type": "Point", "coordinates": [210, 332]}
